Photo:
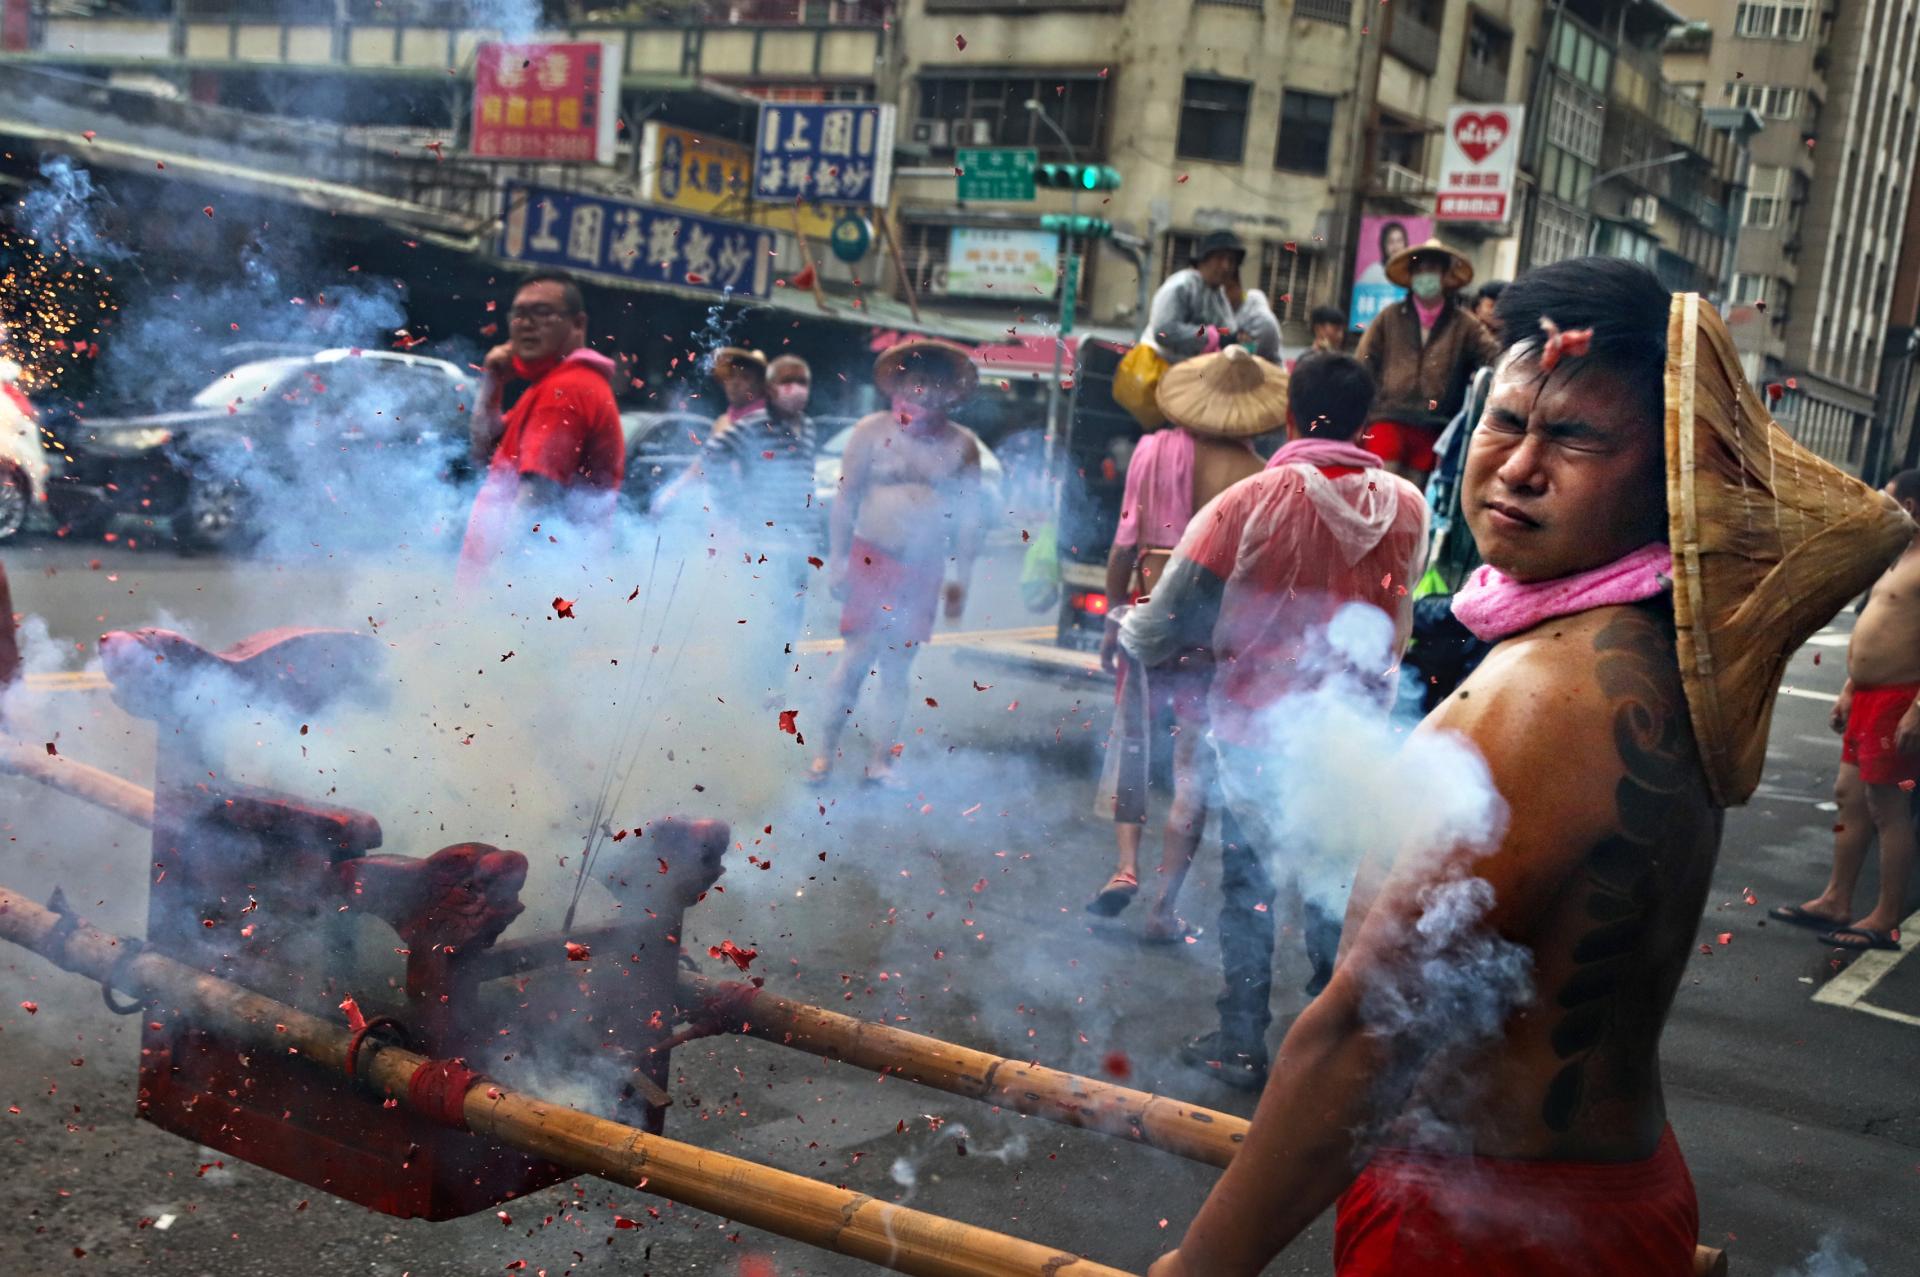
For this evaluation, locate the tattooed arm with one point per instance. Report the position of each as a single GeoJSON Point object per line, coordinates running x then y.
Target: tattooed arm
{"type": "Point", "coordinates": [1584, 733]}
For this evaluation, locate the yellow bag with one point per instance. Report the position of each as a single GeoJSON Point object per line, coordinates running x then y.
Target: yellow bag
{"type": "Point", "coordinates": [1136, 385]}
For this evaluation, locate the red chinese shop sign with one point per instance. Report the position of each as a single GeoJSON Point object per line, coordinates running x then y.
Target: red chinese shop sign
{"type": "Point", "coordinates": [554, 103]}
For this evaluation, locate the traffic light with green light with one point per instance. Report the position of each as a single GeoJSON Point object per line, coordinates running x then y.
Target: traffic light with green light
{"type": "Point", "coordinates": [1081, 225]}
{"type": "Point", "coordinates": [1086, 177]}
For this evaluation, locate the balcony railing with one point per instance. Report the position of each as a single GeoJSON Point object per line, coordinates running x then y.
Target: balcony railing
{"type": "Point", "coordinates": [1413, 42]}
{"type": "Point", "coordinates": [1339, 12]}
{"type": "Point", "coordinates": [1397, 179]}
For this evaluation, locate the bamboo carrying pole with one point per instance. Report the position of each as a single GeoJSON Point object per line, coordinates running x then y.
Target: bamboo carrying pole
{"type": "Point", "coordinates": [1186, 1130]}
{"type": "Point", "coordinates": [1199, 1134]}
{"type": "Point", "coordinates": [894, 1237]}
{"type": "Point", "coordinates": [103, 789]}
{"type": "Point", "coordinates": [1203, 1135]}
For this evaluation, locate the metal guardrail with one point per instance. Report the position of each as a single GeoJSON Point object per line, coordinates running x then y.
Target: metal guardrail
{"type": "Point", "coordinates": [1339, 12]}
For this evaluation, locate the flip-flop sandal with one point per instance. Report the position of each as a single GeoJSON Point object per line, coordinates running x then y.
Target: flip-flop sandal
{"type": "Point", "coordinates": [1860, 939]}
{"type": "Point", "coordinates": [1115, 896]}
{"type": "Point", "coordinates": [1795, 916]}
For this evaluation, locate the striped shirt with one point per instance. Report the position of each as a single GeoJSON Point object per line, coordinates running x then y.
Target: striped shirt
{"type": "Point", "coordinates": [763, 471]}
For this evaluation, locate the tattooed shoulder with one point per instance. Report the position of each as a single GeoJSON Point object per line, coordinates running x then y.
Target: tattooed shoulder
{"type": "Point", "coordinates": [1634, 666]}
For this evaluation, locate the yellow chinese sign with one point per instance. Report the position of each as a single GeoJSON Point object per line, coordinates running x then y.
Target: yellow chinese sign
{"type": "Point", "coordinates": [702, 174]}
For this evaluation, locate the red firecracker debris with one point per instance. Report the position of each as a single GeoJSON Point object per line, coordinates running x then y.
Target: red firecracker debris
{"type": "Point", "coordinates": [959, 42]}
{"type": "Point", "coordinates": [578, 952]}
{"type": "Point", "coordinates": [816, 561]}
{"type": "Point", "coordinates": [790, 721]}
{"type": "Point", "coordinates": [208, 210]}
{"type": "Point", "coordinates": [621, 1221]}
{"type": "Point", "coordinates": [31, 1008]}
{"type": "Point", "coordinates": [731, 952]}
{"type": "Point", "coordinates": [1117, 1066]}
{"type": "Point", "coordinates": [563, 608]}
{"type": "Point", "coordinates": [51, 749]}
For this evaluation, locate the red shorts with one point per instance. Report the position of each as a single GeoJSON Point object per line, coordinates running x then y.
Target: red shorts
{"type": "Point", "coordinates": [1868, 742]}
{"type": "Point", "coordinates": [1432, 1216]}
{"type": "Point", "coordinates": [1402, 443]}
{"type": "Point", "coordinates": [888, 595]}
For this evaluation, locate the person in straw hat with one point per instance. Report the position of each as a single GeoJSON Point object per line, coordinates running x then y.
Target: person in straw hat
{"type": "Point", "coordinates": [1878, 718]}
{"type": "Point", "coordinates": [1656, 547]}
{"type": "Point", "coordinates": [1422, 350]}
{"type": "Point", "coordinates": [1252, 585]}
{"type": "Point", "coordinates": [1217, 405]}
{"type": "Point", "coordinates": [742, 375]}
{"type": "Point", "coordinates": [907, 517]}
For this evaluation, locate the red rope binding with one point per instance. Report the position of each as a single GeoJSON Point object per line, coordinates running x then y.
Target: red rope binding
{"type": "Point", "coordinates": [438, 1089]}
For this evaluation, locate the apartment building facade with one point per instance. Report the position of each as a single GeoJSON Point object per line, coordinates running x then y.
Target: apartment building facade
{"type": "Point", "coordinates": [1825, 215]}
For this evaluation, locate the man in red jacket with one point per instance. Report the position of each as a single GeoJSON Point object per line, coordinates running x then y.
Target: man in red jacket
{"type": "Point", "coordinates": [558, 453]}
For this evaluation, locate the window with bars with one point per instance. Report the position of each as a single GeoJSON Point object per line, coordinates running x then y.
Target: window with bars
{"type": "Point", "coordinates": [1765, 191]}
{"type": "Point", "coordinates": [1306, 132]}
{"type": "Point", "coordinates": [1776, 21]}
{"type": "Point", "coordinates": [1779, 101]}
{"type": "Point", "coordinates": [1213, 119]}
{"type": "Point", "coordinates": [1339, 12]}
{"type": "Point", "coordinates": [1290, 279]}
{"type": "Point", "coordinates": [1076, 100]}
{"type": "Point", "coordinates": [1560, 232]}
{"type": "Point", "coordinates": [1574, 119]}
{"type": "Point", "coordinates": [1565, 175]}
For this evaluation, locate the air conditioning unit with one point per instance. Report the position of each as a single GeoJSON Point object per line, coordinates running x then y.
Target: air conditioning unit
{"type": "Point", "coordinates": [930, 132]}
{"type": "Point", "coordinates": [1644, 209]}
{"type": "Point", "coordinates": [978, 132]}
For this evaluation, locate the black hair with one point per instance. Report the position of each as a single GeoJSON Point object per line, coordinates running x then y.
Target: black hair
{"type": "Point", "coordinates": [1622, 303]}
{"type": "Point", "coordinates": [1324, 314]}
{"type": "Point", "coordinates": [1392, 226]}
{"type": "Point", "coordinates": [1490, 291]}
{"type": "Point", "coordinates": [570, 294]}
{"type": "Point", "coordinates": [1905, 485]}
{"type": "Point", "coordinates": [1329, 394]}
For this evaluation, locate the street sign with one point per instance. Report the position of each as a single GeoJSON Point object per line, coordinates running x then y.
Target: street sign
{"type": "Point", "coordinates": [826, 153]}
{"type": "Point", "coordinates": [1478, 154]}
{"type": "Point", "coordinates": [996, 174]}
{"type": "Point", "coordinates": [687, 169]}
{"type": "Point", "coordinates": [1067, 294]}
{"type": "Point", "coordinates": [552, 102]}
{"type": "Point", "coordinates": [851, 237]}
{"type": "Point", "coordinates": [993, 261]}
{"type": "Point", "coordinates": [607, 236]}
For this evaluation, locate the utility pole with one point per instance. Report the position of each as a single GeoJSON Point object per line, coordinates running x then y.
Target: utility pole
{"type": "Point", "coordinates": [1069, 279]}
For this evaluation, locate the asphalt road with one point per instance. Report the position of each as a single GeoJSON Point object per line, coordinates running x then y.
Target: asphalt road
{"type": "Point", "coordinates": [952, 907]}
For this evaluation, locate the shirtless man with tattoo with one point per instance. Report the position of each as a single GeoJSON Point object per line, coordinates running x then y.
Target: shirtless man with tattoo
{"type": "Point", "coordinates": [1538, 1143]}
{"type": "Point", "coordinates": [907, 517]}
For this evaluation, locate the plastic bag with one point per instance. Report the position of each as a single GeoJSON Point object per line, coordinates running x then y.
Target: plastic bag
{"type": "Point", "coordinates": [1040, 570]}
{"type": "Point", "coordinates": [1136, 385]}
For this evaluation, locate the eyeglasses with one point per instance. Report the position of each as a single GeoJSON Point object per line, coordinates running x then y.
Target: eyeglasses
{"type": "Point", "coordinates": [537, 314]}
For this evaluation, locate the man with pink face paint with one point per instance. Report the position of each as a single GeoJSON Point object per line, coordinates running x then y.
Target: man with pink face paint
{"type": "Point", "coordinates": [907, 517]}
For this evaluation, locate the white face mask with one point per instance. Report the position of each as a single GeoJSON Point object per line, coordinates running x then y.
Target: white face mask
{"type": "Point", "coordinates": [1426, 285]}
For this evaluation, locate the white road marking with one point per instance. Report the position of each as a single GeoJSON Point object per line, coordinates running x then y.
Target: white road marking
{"type": "Point", "coordinates": [1826, 639]}
{"type": "Point", "coordinates": [1849, 989]}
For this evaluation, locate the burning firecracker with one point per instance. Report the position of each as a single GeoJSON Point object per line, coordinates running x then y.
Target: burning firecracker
{"type": "Point", "coordinates": [52, 309]}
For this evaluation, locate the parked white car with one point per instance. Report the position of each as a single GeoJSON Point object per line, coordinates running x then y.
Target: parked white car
{"type": "Point", "coordinates": [24, 468]}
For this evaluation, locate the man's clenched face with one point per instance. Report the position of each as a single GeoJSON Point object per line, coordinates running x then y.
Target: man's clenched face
{"type": "Point", "coordinates": [1565, 472]}
{"type": "Point", "coordinates": [541, 325]}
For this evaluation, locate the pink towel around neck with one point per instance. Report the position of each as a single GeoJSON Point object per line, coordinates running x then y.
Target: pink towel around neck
{"type": "Point", "coordinates": [1494, 605]}
{"type": "Point", "coordinates": [1324, 452]}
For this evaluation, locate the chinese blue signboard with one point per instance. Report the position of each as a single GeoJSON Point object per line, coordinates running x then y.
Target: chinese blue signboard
{"type": "Point", "coordinates": [584, 232]}
{"type": "Point", "coordinates": [826, 153]}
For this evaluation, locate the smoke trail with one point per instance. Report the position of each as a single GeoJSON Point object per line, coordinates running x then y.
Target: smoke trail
{"type": "Point", "coordinates": [62, 209]}
{"type": "Point", "coordinates": [1830, 1259]}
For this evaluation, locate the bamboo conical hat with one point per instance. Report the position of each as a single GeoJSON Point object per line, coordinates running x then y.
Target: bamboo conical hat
{"type": "Point", "coordinates": [1769, 543]}
{"type": "Point", "coordinates": [1231, 394]}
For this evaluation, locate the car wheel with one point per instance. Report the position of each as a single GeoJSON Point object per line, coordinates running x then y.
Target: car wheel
{"type": "Point", "coordinates": [214, 517]}
{"type": "Point", "coordinates": [16, 500]}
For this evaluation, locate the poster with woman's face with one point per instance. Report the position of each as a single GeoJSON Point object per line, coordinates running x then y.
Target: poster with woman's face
{"type": "Point", "coordinates": [1380, 239]}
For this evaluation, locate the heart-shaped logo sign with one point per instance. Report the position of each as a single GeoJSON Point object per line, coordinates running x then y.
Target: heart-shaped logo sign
{"type": "Point", "coordinates": [1480, 134]}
